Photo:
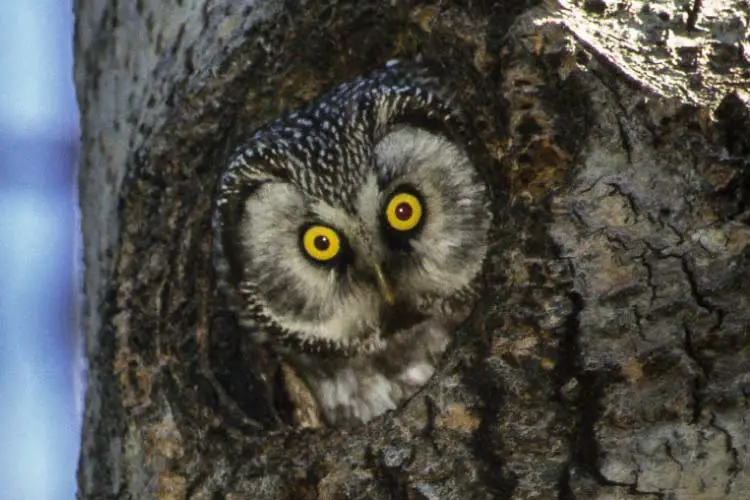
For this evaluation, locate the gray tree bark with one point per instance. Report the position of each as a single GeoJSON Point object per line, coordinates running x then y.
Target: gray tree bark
{"type": "Point", "coordinates": [610, 356]}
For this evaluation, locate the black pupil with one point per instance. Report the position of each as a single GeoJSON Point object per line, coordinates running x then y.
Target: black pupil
{"type": "Point", "coordinates": [404, 211]}
{"type": "Point", "coordinates": [321, 243]}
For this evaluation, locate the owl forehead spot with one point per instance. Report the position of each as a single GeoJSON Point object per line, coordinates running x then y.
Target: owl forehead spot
{"type": "Point", "coordinates": [318, 164]}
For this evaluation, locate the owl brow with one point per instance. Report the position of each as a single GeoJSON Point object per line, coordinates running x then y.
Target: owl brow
{"type": "Point", "coordinates": [248, 189]}
{"type": "Point", "coordinates": [447, 126]}
{"type": "Point", "coordinates": [313, 218]}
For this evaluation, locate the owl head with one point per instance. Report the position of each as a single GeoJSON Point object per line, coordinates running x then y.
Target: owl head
{"type": "Point", "coordinates": [347, 221]}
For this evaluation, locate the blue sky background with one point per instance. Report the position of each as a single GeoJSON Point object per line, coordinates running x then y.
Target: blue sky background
{"type": "Point", "coordinates": [40, 365]}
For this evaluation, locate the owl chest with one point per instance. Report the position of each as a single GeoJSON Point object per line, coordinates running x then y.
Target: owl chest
{"type": "Point", "coordinates": [362, 387]}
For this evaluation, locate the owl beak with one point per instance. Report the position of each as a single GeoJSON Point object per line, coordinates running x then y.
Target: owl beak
{"type": "Point", "coordinates": [385, 288]}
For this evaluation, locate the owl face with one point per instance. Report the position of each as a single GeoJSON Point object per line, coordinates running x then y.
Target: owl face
{"type": "Point", "coordinates": [357, 217]}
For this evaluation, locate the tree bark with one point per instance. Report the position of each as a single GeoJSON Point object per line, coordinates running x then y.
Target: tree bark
{"type": "Point", "coordinates": [609, 357]}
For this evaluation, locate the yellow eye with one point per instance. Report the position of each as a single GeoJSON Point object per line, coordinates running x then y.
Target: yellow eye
{"type": "Point", "coordinates": [321, 243]}
{"type": "Point", "coordinates": [403, 212]}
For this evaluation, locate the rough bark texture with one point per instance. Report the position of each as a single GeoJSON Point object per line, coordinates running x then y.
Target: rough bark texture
{"type": "Point", "coordinates": [610, 356]}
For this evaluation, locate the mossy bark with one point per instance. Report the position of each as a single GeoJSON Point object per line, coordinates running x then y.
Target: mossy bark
{"type": "Point", "coordinates": [609, 356]}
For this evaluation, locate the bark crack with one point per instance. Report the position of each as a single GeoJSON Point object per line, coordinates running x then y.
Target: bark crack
{"type": "Point", "coordinates": [670, 454]}
{"type": "Point", "coordinates": [697, 297]}
{"type": "Point", "coordinates": [586, 449]}
{"type": "Point", "coordinates": [569, 368]}
{"type": "Point", "coordinates": [625, 140]}
{"type": "Point", "coordinates": [699, 381]}
{"type": "Point", "coordinates": [735, 468]}
{"type": "Point", "coordinates": [649, 282]}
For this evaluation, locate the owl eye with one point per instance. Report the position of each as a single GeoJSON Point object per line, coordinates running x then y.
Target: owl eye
{"type": "Point", "coordinates": [321, 243]}
{"type": "Point", "coordinates": [403, 212]}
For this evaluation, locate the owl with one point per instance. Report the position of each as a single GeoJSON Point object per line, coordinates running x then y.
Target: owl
{"type": "Point", "coordinates": [349, 236]}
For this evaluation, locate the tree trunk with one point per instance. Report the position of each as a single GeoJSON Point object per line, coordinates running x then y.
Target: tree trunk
{"type": "Point", "coordinates": [609, 357]}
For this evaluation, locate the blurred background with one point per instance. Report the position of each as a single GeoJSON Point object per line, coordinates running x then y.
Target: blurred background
{"type": "Point", "coordinates": [40, 263]}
